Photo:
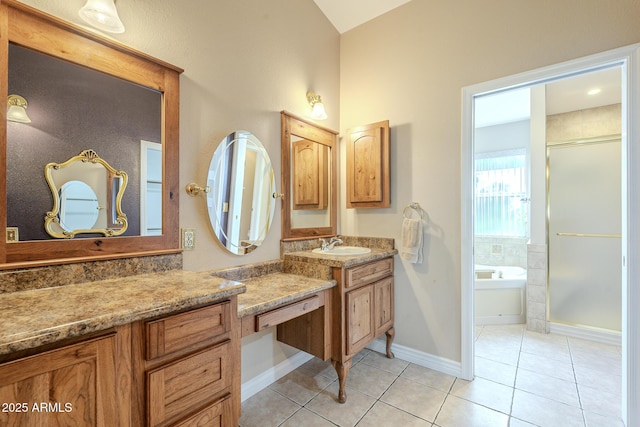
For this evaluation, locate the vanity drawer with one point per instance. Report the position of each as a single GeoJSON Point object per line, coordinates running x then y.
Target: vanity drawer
{"type": "Point", "coordinates": [291, 311]}
{"type": "Point", "coordinates": [187, 384]}
{"type": "Point", "coordinates": [180, 331]}
{"type": "Point", "coordinates": [215, 415]}
{"type": "Point", "coordinates": [368, 273]}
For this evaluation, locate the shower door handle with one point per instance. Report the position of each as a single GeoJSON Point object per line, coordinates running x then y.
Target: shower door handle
{"type": "Point", "coordinates": [589, 235]}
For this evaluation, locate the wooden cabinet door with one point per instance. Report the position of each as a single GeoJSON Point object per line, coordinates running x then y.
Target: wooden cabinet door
{"type": "Point", "coordinates": [71, 386]}
{"type": "Point", "coordinates": [310, 177]}
{"type": "Point", "coordinates": [383, 313]}
{"type": "Point", "coordinates": [368, 179]}
{"type": "Point", "coordinates": [360, 328]}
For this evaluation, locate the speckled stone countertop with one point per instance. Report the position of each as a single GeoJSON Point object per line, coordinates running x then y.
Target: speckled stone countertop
{"type": "Point", "coordinates": [267, 292]}
{"type": "Point", "coordinates": [40, 316]}
{"type": "Point", "coordinates": [340, 261]}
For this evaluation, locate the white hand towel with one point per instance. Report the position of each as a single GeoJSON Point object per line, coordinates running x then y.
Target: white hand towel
{"type": "Point", "coordinates": [411, 249]}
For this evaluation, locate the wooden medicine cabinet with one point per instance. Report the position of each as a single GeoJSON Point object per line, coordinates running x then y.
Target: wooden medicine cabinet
{"type": "Point", "coordinates": [368, 174]}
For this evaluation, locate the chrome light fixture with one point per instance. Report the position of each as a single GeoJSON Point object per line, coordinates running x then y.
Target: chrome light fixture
{"type": "Point", "coordinates": [17, 109]}
{"type": "Point", "coordinates": [317, 107]}
{"type": "Point", "coordinates": [103, 15]}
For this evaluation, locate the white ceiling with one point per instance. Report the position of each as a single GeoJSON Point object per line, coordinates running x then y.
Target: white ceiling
{"type": "Point", "coordinates": [564, 95]}
{"type": "Point", "coordinates": [348, 14]}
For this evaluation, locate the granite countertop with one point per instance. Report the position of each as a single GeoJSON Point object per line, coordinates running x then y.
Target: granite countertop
{"type": "Point", "coordinates": [40, 316]}
{"type": "Point", "coordinates": [340, 261]}
{"type": "Point", "coordinates": [267, 292]}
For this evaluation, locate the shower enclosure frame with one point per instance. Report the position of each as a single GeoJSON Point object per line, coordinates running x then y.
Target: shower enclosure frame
{"type": "Point", "coordinates": [628, 59]}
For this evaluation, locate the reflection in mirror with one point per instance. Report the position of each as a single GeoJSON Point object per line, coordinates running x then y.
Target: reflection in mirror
{"type": "Point", "coordinates": [309, 183]}
{"type": "Point", "coordinates": [87, 194]}
{"type": "Point", "coordinates": [242, 183]}
{"type": "Point", "coordinates": [78, 206]}
{"type": "Point", "coordinates": [309, 177]}
{"type": "Point", "coordinates": [71, 106]}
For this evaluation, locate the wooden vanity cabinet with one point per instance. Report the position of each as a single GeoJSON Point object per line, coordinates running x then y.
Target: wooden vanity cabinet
{"type": "Point", "coordinates": [186, 368]}
{"type": "Point", "coordinates": [363, 310]}
{"type": "Point", "coordinates": [81, 384]}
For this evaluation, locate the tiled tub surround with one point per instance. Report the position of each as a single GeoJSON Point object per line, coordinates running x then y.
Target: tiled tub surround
{"type": "Point", "coordinates": [35, 317]}
{"type": "Point", "coordinates": [537, 288]}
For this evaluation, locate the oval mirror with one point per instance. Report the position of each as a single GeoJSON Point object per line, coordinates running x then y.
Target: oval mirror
{"type": "Point", "coordinates": [79, 206]}
{"type": "Point", "coordinates": [242, 182]}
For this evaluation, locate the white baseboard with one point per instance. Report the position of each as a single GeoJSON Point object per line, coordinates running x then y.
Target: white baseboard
{"type": "Point", "coordinates": [584, 332]}
{"type": "Point", "coordinates": [272, 375]}
{"type": "Point", "coordinates": [426, 360]}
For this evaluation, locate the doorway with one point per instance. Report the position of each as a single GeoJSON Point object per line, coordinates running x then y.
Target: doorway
{"type": "Point", "coordinates": [626, 59]}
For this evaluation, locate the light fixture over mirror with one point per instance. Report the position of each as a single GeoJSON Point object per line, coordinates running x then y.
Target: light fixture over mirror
{"type": "Point", "coordinates": [17, 109]}
{"type": "Point", "coordinates": [317, 107]}
{"type": "Point", "coordinates": [103, 15]}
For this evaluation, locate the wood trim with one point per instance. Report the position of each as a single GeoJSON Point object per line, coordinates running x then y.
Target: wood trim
{"type": "Point", "coordinates": [291, 124]}
{"type": "Point", "coordinates": [42, 32]}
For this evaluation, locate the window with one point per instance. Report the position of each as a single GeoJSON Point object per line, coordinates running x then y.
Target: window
{"type": "Point", "coordinates": [501, 194]}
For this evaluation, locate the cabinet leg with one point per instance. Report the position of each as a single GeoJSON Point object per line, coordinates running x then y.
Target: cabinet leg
{"type": "Point", "coordinates": [391, 333]}
{"type": "Point", "coordinates": [342, 368]}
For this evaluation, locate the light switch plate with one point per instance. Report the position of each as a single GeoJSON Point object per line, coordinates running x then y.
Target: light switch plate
{"type": "Point", "coordinates": [188, 239]}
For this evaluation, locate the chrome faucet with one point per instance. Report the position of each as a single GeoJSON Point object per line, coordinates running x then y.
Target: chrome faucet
{"type": "Point", "coordinates": [327, 246]}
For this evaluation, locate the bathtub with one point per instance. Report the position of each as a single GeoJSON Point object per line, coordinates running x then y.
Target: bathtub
{"type": "Point", "coordinates": [500, 294]}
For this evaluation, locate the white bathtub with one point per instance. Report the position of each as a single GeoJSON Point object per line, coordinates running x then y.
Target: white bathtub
{"type": "Point", "coordinates": [500, 297]}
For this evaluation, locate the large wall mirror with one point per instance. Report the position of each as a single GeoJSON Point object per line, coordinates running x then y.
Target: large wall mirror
{"type": "Point", "coordinates": [241, 202]}
{"type": "Point", "coordinates": [309, 178]}
{"type": "Point", "coordinates": [85, 93]}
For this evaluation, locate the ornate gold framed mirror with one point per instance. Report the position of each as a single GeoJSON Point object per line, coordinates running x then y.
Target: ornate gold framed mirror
{"type": "Point", "coordinates": [26, 28]}
{"type": "Point", "coordinates": [87, 197]}
{"type": "Point", "coordinates": [309, 178]}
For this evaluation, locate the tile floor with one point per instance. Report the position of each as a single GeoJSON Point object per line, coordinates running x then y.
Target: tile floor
{"type": "Point", "coordinates": [522, 379]}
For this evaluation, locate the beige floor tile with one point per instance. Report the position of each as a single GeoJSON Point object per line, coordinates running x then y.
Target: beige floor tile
{"type": "Point", "coordinates": [435, 379]}
{"type": "Point", "coordinates": [306, 418]}
{"type": "Point", "coordinates": [317, 366]}
{"type": "Point", "coordinates": [606, 381]}
{"type": "Point", "coordinates": [300, 386]}
{"type": "Point", "coordinates": [484, 392]}
{"type": "Point", "coordinates": [545, 412]}
{"type": "Point", "coordinates": [554, 347]}
{"type": "Point", "coordinates": [600, 402]}
{"type": "Point", "coordinates": [562, 369]}
{"type": "Point", "coordinates": [380, 361]}
{"type": "Point", "coordinates": [543, 385]}
{"type": "Point", "coordinates": [265, 409]}
{"type": "Point", "coordinates": [385, 415]}
{"type": "Point", "coordinates": [597, 420]}
{"type": "Point", "coordinates": [458, 412]}
{"type": "Point", "coordinates": [514, 422]}
{"type": "Point", "coordinates": [349, 413]}
{"type": "Point", "coordinates": [417, 399]}
{"type": "Point", "coordinates": [369, 380]}
{"type": "Point", "coordinates": [578, 345]}
{"type": "Point", "coordinates": [495, 371]}
{"type": "Point", "coordinates": [491, 351]}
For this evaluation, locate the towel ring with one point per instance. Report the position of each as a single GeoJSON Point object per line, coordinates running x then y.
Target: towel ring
{"type": "Point", "coordinates": [414, 206]}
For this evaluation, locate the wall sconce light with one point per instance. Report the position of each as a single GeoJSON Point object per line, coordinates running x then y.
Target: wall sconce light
{"type": "Point", "coordinates": [317, 107]}
{"type": "Point", "coordinates": [103, 15]}
{"type": "Point", "coordinates": [17, 109]}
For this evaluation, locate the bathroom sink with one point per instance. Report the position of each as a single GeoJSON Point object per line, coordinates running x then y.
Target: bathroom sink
{"type": "Point", "coordinates": [343, 251]}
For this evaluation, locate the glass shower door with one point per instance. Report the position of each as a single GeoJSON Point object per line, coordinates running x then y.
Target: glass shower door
{"type": "Point", "coordinates": [584, 191]}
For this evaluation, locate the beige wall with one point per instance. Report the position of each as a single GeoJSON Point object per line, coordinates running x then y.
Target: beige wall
{"type": "Point", "coordinates": [244, 62]}
{"type": "Point", "coordinates": [409, 66]}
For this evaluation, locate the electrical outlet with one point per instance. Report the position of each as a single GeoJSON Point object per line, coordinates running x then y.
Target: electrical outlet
{"type": "Point", "coordinates": [188, 239]}
{"type": "Point", "coordinates": [12, 234]}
